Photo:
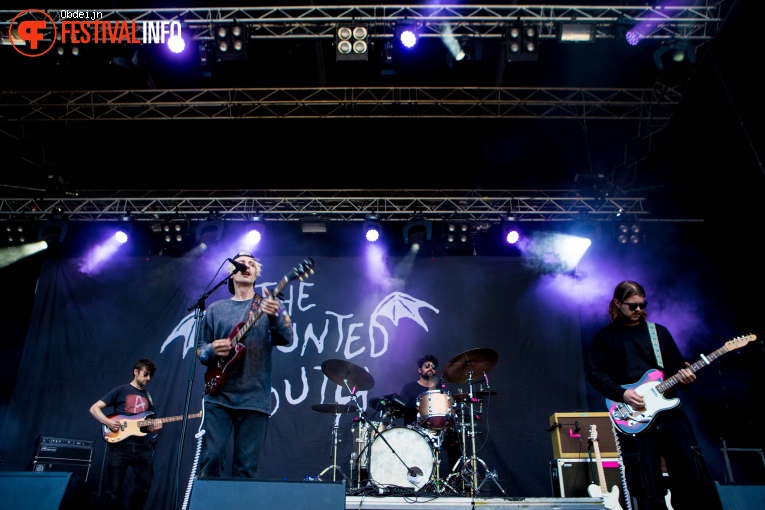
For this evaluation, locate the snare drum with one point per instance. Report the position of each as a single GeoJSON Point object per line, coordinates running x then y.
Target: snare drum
{"type": "Point", "coordinates": [415, 466]}
{"type": "Point", "coordinates": [436, 409]}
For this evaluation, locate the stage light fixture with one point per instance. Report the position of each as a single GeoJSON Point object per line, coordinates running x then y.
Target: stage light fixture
{"type": "Point", "coordinates": [372, 228]}
{"type": "Point", "coordinates": [257, 229]}
{"type": "Point", "coordinates": [679, 50]}
{"type": "Point", "coordinates": [521, 43]}
{"type": "Point", "coordinates": [52, 231]}
{"type": "Point", "coordinates": [351, 42]}
{"type": "Point", "coordinates": [417, 230]}
{"type": "Point", "coordinates": [576, 32]}
{"type": "Point", "coordinates": [231, 42]}
{"type": "Point", "coordinates": [511, 234]}
{"type": "Point", "coordinates": [457, 232]}
{"type": "Point", "coordinates": [313, 227]}
{"type": "Point", "coordinates": [407, 33]}
{"type": "Point", "coordinates": [209, 231]}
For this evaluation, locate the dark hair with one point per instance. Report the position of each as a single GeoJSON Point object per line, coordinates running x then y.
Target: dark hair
{"type": "Point", "coordinates": [427, 357]}
{"type": "Point", "coordinates": [146, 364]}
{"type": "Point", "coordinates": [625, 289]}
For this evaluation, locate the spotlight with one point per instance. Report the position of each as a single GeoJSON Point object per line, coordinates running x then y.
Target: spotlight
{"type": "Point", "coordinates": [407, 33]}
{"type": "Point", "coordinates": [510, 233]}
{"type": "Point", "coordinates": [257, 231]}
{"type": "Point", "coordinates": [209, 231]}
{"type": "Point", "coordinates": [521, 43]}
{"type": "Point", "coordinates": [679, 51]}
{"type": "Point", "coordinates": [231, 42]}
{"type": "Point", "coordinates": [417, 230]}
{"type": "Point", "coordinates": [52, 231]}
{"type": "Point", "coordinates": [372, 228]}
{"type": "Point", "coordinates": [351, 42]}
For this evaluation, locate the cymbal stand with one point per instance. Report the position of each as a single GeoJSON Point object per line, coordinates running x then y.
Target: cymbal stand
{"type": "Point", "coordinates": [334, 467]}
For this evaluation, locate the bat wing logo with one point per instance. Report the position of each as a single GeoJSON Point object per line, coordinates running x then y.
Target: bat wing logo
{"type": "Point", "coordinates": [396, 306]}
{"type": "Point", "coordinates": [186, 329]}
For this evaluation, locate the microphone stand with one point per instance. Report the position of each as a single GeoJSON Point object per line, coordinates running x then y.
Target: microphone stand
{"type": "Point", "coordinates": [199, 308]}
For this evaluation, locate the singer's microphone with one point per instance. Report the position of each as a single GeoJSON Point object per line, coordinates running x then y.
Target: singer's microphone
{"type": "Point", "coordinates": [238, 266]}
{"type": "Point", "coordinates": [554, 426]}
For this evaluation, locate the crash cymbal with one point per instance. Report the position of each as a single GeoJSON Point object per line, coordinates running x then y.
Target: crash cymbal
{"type": "Point", "coordinates": [339, 371]}
{"type": "Point", "coordinates": [334, 408]}
{"type": "Point", "coordinates": [472, 363]}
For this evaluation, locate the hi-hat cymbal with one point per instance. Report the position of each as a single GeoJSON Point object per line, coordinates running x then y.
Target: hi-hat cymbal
{"type": "Point", "coordinates": [472, 363]}
{"type": "Point", "coordinates": [334, 408]}
{"type": "Point", "coordinates": [461, 397]}
{"type": "Point", "coordinates": [340, 371]}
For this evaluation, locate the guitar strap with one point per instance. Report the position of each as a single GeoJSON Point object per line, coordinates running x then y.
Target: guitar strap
{"type": "Point", "coordinates": [655, 343]}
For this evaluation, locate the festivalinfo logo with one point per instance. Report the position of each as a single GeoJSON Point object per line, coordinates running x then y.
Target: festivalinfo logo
{"type": "Point", "coordinates": [34, 32]}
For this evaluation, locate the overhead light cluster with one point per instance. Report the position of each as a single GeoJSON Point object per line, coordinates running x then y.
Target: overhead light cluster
{"type": "Point", "coordinates": [521, 43]}
{"type": "Point", "coordinates": [351, 42]}
{"type": "Point", "coordinates": [630, 233]}
{"type": "Point", "coordinates": [231, 42]}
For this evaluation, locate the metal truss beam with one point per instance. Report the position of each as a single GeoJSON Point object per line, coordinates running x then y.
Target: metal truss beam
{"type": "Point", "coordinates": [688, 21]}
{"type": "Point", "coordinates": [654, 104]}
{"type": "Point", "coordinates": [490, 206]}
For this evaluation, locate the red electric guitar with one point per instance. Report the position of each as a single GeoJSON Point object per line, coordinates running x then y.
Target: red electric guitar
{"type": "Point", "coordinates": [217, 374]}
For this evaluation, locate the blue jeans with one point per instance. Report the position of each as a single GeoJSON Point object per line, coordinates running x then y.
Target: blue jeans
{"type": "Point", "coordinates": [121, 457]}
{"type": "Point", "coordinates": [249, 427]}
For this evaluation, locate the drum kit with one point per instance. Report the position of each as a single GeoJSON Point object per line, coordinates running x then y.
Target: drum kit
{"type": "Point", "coordinates": [408, 456]}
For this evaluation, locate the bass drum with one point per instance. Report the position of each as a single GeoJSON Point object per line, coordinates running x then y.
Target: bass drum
{"type": "Point", "coordinates": [415, 467]}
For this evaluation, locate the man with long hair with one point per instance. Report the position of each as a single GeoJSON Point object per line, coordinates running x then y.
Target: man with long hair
{"type": "Point", "coordinates": [621, 354]}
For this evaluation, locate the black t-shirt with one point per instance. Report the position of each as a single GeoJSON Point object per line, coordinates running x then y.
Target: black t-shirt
{"type": "Point", "coordinates": [127, 400]}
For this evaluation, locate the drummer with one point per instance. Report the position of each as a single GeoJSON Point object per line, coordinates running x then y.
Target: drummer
{"type": "Point", "coordinates": [427, 368]}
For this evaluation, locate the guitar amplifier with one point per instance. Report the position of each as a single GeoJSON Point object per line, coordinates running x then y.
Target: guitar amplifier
{"type": "Point", "coordinates": [570, 433]}
{"type": "Point", "coordinates": [571, 477]}
{"type": "Point", "coordinates": [59, 448]}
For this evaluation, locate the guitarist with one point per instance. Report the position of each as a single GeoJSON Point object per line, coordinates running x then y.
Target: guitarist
{"type": "Point", "coordinates": [620, 354]}
{"type": "Point", "coordinates": [135, 452]}
{"type": "Point", "coordinates": [243, 404]}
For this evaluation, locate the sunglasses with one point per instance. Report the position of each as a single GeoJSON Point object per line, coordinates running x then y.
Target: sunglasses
{"type": "Point", "coordinates": [634, 306]}
{"type": "Point", "coordinates": [429, 365]}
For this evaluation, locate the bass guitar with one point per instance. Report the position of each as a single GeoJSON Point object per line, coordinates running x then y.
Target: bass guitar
{"type": "Point", "coordinates": [651, 387]}
{"type": "Point", "coordinates": [132, 425]}
{"type": "Point", "coordinates": [217, 374]}
{"type": "Point", "coordinates": [610, 499]}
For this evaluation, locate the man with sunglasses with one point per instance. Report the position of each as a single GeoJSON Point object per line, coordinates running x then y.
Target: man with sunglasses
{"type": "Point", "coordinates": [620, 355]}
{"type": "Point", "coordinates": [427, 367]}
{"type": "Point", "coordinates": [134, 451]}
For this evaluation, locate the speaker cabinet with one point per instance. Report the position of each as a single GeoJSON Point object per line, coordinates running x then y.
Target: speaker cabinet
{"type": "Point", "coordinates": [79, 469]}
{"type": "Point", "coordinates": [571, 477]}
{"type": "Point", "coordinates": [570, 432]}
{"type": "Point", "coordinates": [39, 491]}
{"type": "Point", "coordinates": [209, 493]}
{"type": "Point", "coordinates": [741, 497]}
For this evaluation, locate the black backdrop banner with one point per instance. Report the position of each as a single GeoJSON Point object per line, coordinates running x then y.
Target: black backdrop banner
{"type": "Point", "coordinates": [88, 327]}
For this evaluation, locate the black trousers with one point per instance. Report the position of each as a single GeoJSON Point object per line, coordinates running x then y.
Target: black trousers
{"type": "Point", "coordinates": [672, 438]}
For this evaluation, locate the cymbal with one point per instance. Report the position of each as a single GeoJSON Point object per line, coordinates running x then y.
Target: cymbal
{"type": "Point", "coordinates": [470, 363]}
{"type": "Point", "coordinates": [334, 408]}
{"type": "Point", "coordinates": [483, 393]}
{"type": "Point", "coordinates": [339, 371]}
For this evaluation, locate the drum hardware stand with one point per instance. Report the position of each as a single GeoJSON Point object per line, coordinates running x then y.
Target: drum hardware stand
{"type": "Point", "coordinates": [365, 420]}
{"type": "Point", "coordinates": [470, 464]}
{"type": "Point", "coordinates": [334, 467]}
{"type": "Point", "coordinates": [441, 486]}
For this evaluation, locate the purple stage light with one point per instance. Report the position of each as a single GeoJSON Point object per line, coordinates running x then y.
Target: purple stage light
{"type": "Point", "coordinates": [512, 236]}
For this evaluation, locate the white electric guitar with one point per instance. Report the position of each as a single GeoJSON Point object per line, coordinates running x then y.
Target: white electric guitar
{"type": "Point", "coordinates": [610, 499]}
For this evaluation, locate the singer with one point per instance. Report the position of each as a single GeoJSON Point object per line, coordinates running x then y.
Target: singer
{"type": "Point", "coordinates": [427, 367]}
{"type": "Point", "coordinates": [243, 402]}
